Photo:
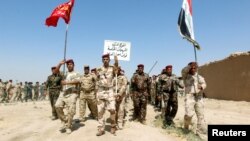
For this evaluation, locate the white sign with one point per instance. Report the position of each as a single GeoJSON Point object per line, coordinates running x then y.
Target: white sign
{"type": "Point", "coordinates": [120, 48]}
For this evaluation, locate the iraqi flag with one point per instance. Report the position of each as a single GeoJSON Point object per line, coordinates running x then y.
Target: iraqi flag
{"type": "Point", "coordinates": [185, 22]}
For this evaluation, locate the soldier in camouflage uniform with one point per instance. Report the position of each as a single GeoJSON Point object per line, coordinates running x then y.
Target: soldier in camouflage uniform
{"type": "Point", "coordinates": [36, 91]}
{"type": "Point", "coordinates": [2, 89]}
{"type": "Point", "coordinates": [168, 86]}
{"type": "Point", "coordinates": [53, 84]}
{"type": "Point", "coordinates": [87, 94]}
{"type": "Point", "coordinates": [25, 91]}
{"type": "Point", "coordinates": [140, 88]}
{"type": "Point", "coordinates": [120, 84]}
{"type": "Point", "coordinates": [153, 89]}
{"type": "Point", "coordinates": [194, 104]}
{"type": "Point", "coordinates": [105, 93]}
{"type": "Point", "coordinates": [68, 96]}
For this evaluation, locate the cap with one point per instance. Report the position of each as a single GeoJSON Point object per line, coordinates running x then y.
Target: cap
{"type": "Point", "coordinates": [105, 55]}
{"type": "Point", "coordinates": [94, 69]}
{"type": "Point", "coordinates": [70, 61]}
{"type": "Point", "coordinates": [169, 66]}
{"type": "Point", "coordinates": [140, 65]}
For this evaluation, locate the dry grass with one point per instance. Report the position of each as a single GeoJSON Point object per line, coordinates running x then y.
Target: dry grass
{"type": "Point", "coordinates": [177, 130]}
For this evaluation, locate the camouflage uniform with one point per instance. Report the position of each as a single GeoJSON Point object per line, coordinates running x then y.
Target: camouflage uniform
{"type": "Point", "coordinates": [36, 91]}
{"type": "Point", "coordinates": [53, 84]}
{"type": "Point", "coordinates": [25, 92]}
{"type": "Point", "coordinates": [120, 98]}
{"type": "Point", "coordinates": [140, 89]}
{"type": "Point", "coordinates": [105, 96]}
{"type": "Point", "coordinates": [168, 87]}
{"type": "Point", "coordinates": [2, 90]}
{"type": "Point", "coordinates": [194, 103]}
{"type": "Point", "coordinates": [87, 95]}
{"type": "Point", "coordinates": [68, 99]}
{"type": "Point", "coordinates": [153, 90]}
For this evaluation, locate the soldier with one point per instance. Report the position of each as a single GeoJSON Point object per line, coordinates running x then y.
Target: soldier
{"type": "Point", "coordinates": [25, 91]}
{"type": "Point", "coordinates": [105, 93]}
{"type": "Point", "coordinates": [8, 91]}
{"type": "Point", "coordinates": [2, 88]}
{"type": "Point", "coordinates": [19, 91]}
{"type": "Point", "coordinates": [53, 84]}
{"type": "Point", "coordinates": [153, 89]}
{"type": "Point", "coordinates": [68, 97]}
{"type": "Point", "coordinates": [168, 84]}
{"type": "Point", "coordinates": [36, 91]}
{"type": "Point", "coordinates": [194, 86]}
{"type": "Point", "coordinates": [140, 88]}
{"type": "Point", "coordinates": [120, 84]}
{"type": "Point", "coordinates": [87, 94]}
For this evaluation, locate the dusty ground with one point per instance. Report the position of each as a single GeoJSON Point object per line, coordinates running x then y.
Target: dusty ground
{"type": "Point", "coordinates": [31, 122]}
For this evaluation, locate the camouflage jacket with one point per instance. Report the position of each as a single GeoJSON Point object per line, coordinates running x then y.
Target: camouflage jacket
{"type": "Point", "coordinates": [168, 84]}
{"type": "Point", "coordinates": [140, 82]}
{"type": "Point", "coordinates": [54, 81]}
{"type": "Point", "coordinates": [121, 85]}
{"type": "Point", "coordinates": [105, 76]}
{"type": "Point", "coordinates": [88, 82]}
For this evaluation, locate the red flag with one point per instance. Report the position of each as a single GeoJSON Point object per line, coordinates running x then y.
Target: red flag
{"type": "Point", "coordinates": [63, 11]}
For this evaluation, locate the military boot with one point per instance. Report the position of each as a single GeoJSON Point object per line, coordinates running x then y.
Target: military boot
{"type": "Point", "coordinates": [112, 130]}
{"type": "Point", "coordinates": [100, 132]}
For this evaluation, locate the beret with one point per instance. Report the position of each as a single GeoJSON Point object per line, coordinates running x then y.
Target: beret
{"type": "Point", "coordinates": [140, 65]}
{"type": "Point", "coordinates": [86, 66]}
{"type": "Point", "coordinates": [53, 67]}
{"type": "Point", "coordinates": [192, 64]}
{"type": "Point", "coordinates": [169, 66]}
{"type": "Point", "coordinates": [70, 61]}
{"type": "Point", "coordinates": [105, 55]}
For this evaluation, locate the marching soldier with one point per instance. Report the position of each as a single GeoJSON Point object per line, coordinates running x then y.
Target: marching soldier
{"type": "Point", "coordinates": [168, 85]}
{"type": "Point", "coordinates": [53, 84]}
{"type": "Point", "coordinates": [105, 93]}
{"type": "Point", "coordinates": [120, 92]}
{"type": "Point", "coordinates": [68, 96]}
{"type": "Point", "coordinates": [87, 94]}
{"type": "Point", "coordinates": [140, 88]}
{"type": "Point", "coordinates": [194, 104]}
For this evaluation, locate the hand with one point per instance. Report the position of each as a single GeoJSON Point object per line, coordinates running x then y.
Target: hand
{"type": "Point", "coordinates": [62, 62]}
{"type": "Point", "coordinates": [200, 87]}
{"type": "Point", "coordinates": [63, 82]}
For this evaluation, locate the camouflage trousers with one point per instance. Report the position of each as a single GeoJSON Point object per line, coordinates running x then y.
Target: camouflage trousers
{"type": "Point", "coordinates": [90, 100]}
{"type": "Point", "coordinates": [105, 101]}
{"type": "Point", "coordinates": [153, 95]}
{"type": "Point", "coordinates": [53, 96]}
{"type": "Point", "coordinates": [195, 105]}
{"type": "Point", "coordinates": [140, 105]}
{"type": "Point", "coordinates": [69, 102]}
{"type": "Point", "coordinates": [170, 106]}
{"type": "Point", "coordinates": [120, 111]}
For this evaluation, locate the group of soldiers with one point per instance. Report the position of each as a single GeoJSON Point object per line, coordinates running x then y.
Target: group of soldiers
{"type": "Point", "coordinates": [107, 88]}
{"type": "Point", "coordinates": [21, 92]}
{"type": "Point", "coordinates": [102, 89]}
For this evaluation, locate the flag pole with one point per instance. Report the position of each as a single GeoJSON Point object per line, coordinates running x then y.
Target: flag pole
{"type": "Point", "coordinates": [65, 47]}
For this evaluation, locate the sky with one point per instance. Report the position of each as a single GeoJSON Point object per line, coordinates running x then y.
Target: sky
{"type": "Point", "coordinates": [28, 48]}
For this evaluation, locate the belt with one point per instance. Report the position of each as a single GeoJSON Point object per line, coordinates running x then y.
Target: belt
{"type": "Point", "coordinates": [106, 88]}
